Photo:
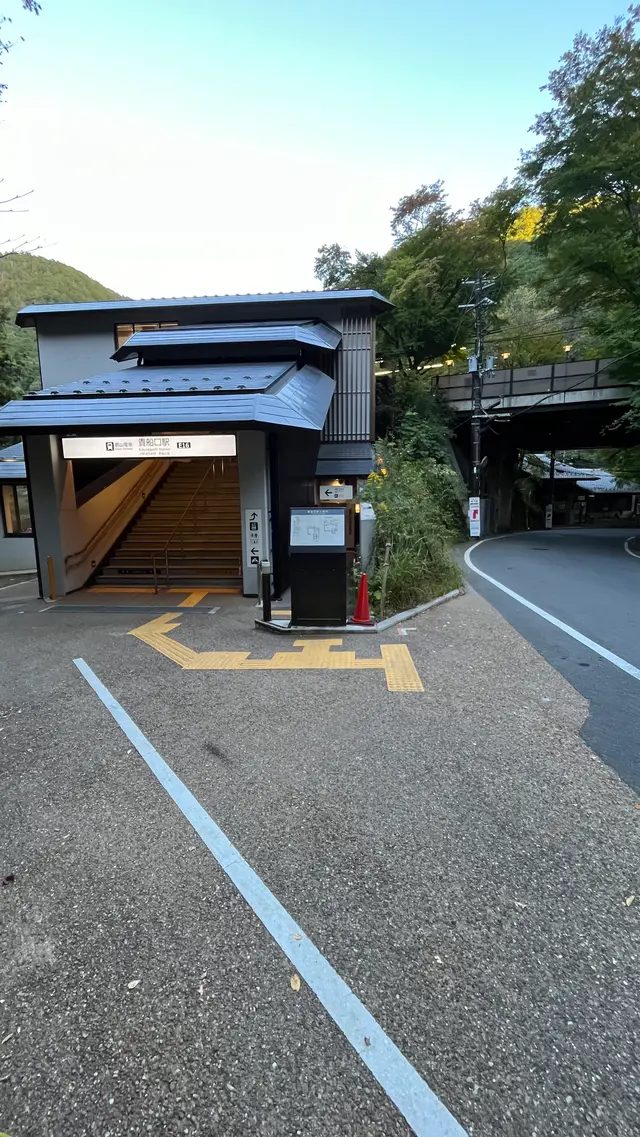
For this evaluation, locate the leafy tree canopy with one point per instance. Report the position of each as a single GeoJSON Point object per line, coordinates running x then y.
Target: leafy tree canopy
{"type": "Point", "coordinates": [584, 173]}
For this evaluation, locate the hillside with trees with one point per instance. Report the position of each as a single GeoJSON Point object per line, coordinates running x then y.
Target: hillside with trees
{"type": "Point", "coordinates": [561, 240]}
{"type": "Point", "coordinates": [28, 279]}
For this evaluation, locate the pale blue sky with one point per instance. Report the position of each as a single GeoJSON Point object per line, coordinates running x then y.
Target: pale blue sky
{"type": "Point", "coordinates": [211, 146]}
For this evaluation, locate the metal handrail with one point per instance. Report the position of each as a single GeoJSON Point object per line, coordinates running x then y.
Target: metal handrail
{"type": "Point", "coordinates": [122, 506]}
{"type": "Point", "coordinates": [165, 550]}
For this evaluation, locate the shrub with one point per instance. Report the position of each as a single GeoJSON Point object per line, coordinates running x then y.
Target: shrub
{"type": "Point", "coordinates": [418, 513]}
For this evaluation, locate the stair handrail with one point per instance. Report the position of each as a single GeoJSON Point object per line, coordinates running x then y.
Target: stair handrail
{"type": "Point", "coordinates": [165, 549]}
{"type": "Point", "coordinates": [121, 507]}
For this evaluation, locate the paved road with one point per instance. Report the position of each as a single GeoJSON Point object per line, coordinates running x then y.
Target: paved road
{"type": "Point", "coordinates": [586, 579]}
{"type": "Point", "coordinates": [458, 855]}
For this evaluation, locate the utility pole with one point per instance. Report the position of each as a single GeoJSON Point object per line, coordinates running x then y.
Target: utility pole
{"type": "Point", "coordinates": [548, 514]}
{"type": "Point", "coordinates": [477, 367]}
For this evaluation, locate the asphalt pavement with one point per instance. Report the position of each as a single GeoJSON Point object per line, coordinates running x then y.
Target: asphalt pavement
{"type": "Point", "coordinates": [458, 855]}
{"type": "Point", "coordinates": [589, 580]}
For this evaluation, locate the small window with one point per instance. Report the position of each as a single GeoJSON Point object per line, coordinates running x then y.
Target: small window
{"type": "Point", "coordinates": [15, 511]}
{"type": "Point", "coordinates": [123, 332]}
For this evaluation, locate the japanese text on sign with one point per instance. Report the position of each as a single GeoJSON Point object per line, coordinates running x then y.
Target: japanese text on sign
{"type": "Point", "coordinates": [253, 537]}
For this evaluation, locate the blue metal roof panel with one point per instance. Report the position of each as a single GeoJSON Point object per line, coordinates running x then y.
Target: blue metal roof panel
{"type": "Point", "coordinates": [205, 377]}
{"type": "Point", "coordinates": [13, 472]}
{"type": "Point", "coordinates": [12, 464]}
{"type": "Point", "coordinates": [315, 333]}
{"type": "Point", "coordinates": [348, 296]}
{"type": "Point", "coordinates": [12, 453]}
{"type": "Point", "coordinates": [301, 402]}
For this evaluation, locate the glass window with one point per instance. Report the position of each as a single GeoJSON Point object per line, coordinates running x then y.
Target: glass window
{"type": "Point", "coordinates": [123, 332]}
{"type": "Point", "coordinates": [15, 511]}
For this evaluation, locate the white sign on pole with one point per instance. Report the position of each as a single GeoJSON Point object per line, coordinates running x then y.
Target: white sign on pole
{"type": "Point", "coordinates": [253, 535]}
{"type": "Point", "coordinates": [474, 516]}
{"type": "Point", "coordinates": [548, 517]}
{"type": "Point", "coordinates": [151, 446]}
{"type": "Point", "coordinates": [335, 493]}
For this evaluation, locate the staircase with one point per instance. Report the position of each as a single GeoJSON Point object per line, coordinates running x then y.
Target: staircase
{"type": "Point", "coordinates": [191, 525]}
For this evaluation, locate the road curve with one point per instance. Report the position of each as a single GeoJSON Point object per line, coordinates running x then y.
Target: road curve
{"type": "Point", "coordinates": [585, 579]}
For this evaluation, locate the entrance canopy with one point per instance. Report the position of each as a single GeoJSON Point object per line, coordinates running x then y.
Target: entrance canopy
{"type": "Point", "coordinates": [264, 394]}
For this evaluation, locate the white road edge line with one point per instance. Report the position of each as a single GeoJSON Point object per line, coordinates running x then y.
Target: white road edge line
{"type": "Point", "coordinates": [16, 584]}
{"type": "Point", "coordinates": [630, 551]}
{"type": "Point", "coordinates": [598, 648]}
{"type": "Point", "coordinates": [417, 1103]}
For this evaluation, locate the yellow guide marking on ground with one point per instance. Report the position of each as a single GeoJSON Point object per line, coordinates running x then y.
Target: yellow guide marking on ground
{"type": "Point", "coordinates": [193, 598]}
{"type": "Point", "coordinates": [311, 655]}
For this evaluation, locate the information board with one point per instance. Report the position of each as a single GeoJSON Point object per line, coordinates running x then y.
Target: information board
{"type": "Point", "coordinates": [317, 529]}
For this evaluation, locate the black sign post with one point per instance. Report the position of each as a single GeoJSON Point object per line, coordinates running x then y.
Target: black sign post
{"type": "Point", "coordinates": [318, 565]}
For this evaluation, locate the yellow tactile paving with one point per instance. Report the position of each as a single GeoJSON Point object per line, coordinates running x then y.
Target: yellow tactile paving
{"type": "Point", "coordinates": [193, 598]}
{"type": "Point", "coordinates": [313, 654]}
{"type": "Point", "coordinates": [221, 590]}
{"type": "Point", "coordinates": [130, 590]}
{"type": "Point", "coordinates": [400, 669]}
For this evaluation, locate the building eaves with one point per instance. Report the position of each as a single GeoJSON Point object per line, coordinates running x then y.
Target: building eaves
{"type": "Point", "coordinates": [314, 334]}
{"type": "Point", "coordinates": [128, 308]}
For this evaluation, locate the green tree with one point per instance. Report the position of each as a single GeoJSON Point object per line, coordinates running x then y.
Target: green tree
{"type": "Point", "coordinates": [499, 213]}
{"type": "Point", "coordinates": [333, 266]}
{"type": "Point", "coordinates": [531, 332]}
{"type": "Point", "coordinates": [623, 464]}
{"type": "Point", "coordinates": [584, 171]}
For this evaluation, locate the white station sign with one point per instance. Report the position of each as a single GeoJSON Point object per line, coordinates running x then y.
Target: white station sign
{"type": "Point", "coordinates": [151, 446]}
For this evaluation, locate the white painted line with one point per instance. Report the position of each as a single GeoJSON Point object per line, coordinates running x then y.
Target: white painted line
{"type": "Point", "coordinates": [417, 1103]}
{"type": "Point", "coordinates": [628, 550]}
{"type": "Point", "coordinates": [212, 611]}
{"type": "Point", "coordinates": [591, 644]}
{"type": "Point", "coordinates": [16, 584]}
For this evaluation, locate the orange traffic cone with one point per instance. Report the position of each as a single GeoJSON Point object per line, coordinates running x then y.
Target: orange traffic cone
{"type": "Point", "coordinates": [362, 615]}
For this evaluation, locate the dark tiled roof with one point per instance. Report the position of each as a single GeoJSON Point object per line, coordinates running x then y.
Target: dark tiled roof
{"type": "Point", "coordinates": [339, 458]}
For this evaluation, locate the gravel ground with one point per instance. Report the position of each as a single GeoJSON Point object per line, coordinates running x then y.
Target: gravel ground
{"type": "Point", "coordinates": [460, 856]}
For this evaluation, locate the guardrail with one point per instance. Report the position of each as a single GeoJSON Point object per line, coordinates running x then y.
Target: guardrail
{"type": "Point", "coordinates": [522, 382]}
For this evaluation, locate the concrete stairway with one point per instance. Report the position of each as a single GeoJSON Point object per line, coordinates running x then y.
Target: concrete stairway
{"type": "Point", "coordinates": [201, 533]}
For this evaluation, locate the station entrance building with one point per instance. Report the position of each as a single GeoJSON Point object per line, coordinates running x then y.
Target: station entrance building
{"type": "Point", "coordinates": [171, 437]}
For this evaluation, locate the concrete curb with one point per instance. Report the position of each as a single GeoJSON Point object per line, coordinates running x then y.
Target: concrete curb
{"type": "Point", "coordinates": [280, 627]}
{"type": "Point", "coordinates": [411, 612]}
